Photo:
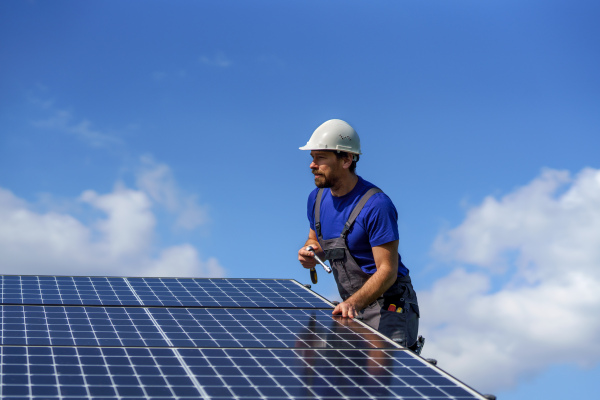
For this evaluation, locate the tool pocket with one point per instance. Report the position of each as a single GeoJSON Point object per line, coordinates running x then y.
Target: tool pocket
{"type": "Point", "coordinates": [400, 317]}
{"type": "Point", "coordinates": [335, 254]}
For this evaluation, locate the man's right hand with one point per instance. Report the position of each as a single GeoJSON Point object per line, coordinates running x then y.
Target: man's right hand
{"type": "Point", "coordinates": [306, 257]}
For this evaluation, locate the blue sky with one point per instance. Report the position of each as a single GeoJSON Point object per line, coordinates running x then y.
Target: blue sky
{"type": "Point", "coordinates": [154, 137]}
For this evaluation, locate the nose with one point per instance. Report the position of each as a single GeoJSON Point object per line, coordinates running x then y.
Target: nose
{"type": "Point", "coordinates": [313, 165]}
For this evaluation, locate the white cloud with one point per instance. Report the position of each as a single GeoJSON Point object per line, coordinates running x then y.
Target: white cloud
{"type": "Point", "coordinates": [542, 242]}
{"type": "Point", "coordinates": [185, 260]}
{"type": "Point", "coordinates": [156, 179]}
{"type": "Point", "coordinates": [121, 242]}
{"type": "Point", "coordinates": [128, 228]}
{"type": "Point", "coordinates": [218, 60]}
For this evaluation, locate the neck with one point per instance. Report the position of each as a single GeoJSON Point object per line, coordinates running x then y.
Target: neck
{"type": "Point", "coordinates": [344, 186]}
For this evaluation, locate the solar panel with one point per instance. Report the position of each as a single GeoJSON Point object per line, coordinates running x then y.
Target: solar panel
{"type": "Point", "coordinates": [268, 293]}
{"type": "Point", "coordinates": [177, 292]}
{"type": "Point", "coordinates": [223, 374]}
{"type": "Point", "coordinates": [181, 327]}
{"type": "Point", "coordinates": [167, 338]}
{"type": "Point", "coordinates": [64, 372]}
{"type": "Point", "coordinates": [66, 290]}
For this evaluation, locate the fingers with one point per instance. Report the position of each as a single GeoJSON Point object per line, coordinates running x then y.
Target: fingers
{"type": "Point", "coordinates": [352, 312]}
{"type": "Point", "coordinates": [305, 252]}
{"type": "Point", "coordinates": [346, 310]}
{"type": "Point", "coordinates": [306, 258]}
{"type": "Point", "coordinates": [315, 248]}
{"type": "Point", "coordinates": [337, 310]}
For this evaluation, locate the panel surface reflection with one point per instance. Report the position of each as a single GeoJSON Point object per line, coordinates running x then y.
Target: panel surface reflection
{"type": "Point", "coordinates": [181, 327]}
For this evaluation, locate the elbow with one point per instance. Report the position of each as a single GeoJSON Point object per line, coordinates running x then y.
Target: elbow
{"type": "Point", "coordinates": [391, 279]}
{"type": "Point", "coordinates": [391, 274]}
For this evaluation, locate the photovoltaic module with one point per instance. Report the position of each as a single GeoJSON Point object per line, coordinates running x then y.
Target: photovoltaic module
{"type": "Point", "coordinates": [169, 338]}
{"type": "Point", "coordinates": [167, 292]}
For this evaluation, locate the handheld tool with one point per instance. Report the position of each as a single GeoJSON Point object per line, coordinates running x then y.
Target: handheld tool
{"type": "Point", "coordinates": [325, 266]}
{"type": "Point", "coordinates": [313, 272]}
{"type": "Point", "coordinates": [313, 275]}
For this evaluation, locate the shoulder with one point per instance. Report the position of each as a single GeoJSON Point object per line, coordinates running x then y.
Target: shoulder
{"type": "Point", "coordinates": [377, 198]}
{"type": "Point", "coordinates": [379, 202]}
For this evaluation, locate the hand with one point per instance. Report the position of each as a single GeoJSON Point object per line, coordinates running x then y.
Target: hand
{"type": "Point", "coordinates": [346, 310]}
{"type": "Point", "coordinates": [306, 258]}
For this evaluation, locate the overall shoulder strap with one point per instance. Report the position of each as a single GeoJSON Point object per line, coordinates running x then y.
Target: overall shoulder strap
{"type": "Point", "coordinates": [318, 214]}
{"type": "Point", "coordinates": [358, 208]}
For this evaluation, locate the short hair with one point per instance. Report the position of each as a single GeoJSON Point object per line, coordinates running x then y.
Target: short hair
{"type": "Point", "coordinates": [344, 154]}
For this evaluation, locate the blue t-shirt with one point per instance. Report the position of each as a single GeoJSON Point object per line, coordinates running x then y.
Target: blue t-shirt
{"type": "Point", "coordinates": [376, 224]}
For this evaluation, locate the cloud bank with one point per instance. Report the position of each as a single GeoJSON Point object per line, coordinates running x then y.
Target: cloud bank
{"type": "Point", "coordinates": [120, 242]}
{"type": "Point", "coordinates": [525, 292]}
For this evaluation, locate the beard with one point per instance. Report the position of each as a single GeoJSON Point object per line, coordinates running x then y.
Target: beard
{"type": "Point", "coordinates": [323, 182]}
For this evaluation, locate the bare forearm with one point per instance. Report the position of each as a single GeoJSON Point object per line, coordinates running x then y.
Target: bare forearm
{"type": "Point", "coordinates": [382, 279]}
{"type": "Point", "coordinates": [386, 262]}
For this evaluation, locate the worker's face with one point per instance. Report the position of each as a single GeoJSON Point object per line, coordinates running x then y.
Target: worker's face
{"type": "Point", "coordinates": [326, 168]}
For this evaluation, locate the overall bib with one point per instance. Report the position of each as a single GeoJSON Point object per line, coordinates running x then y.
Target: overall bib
{"type": "Point", "coordinates": [400, 323]}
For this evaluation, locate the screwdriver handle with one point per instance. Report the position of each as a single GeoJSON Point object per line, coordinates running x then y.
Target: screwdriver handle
{"type": "Point", "coordinates": [313, 275]}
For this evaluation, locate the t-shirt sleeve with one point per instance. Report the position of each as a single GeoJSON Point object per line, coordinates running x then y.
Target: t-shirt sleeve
{"type": "Point", "coordinates": [310, 208]}
{"type": "Point", "coordinates": [381, 220]}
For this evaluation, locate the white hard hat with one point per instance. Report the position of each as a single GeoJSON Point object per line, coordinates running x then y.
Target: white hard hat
{"type": "Point", "coordinates": [334, 134]}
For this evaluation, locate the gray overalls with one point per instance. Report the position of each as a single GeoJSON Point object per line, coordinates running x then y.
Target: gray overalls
{"type": "Point", "coordinates": [402, 327]}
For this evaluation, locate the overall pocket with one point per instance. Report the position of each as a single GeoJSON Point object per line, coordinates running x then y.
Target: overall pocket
{"type": "Point", "coordinates": [400, 317]}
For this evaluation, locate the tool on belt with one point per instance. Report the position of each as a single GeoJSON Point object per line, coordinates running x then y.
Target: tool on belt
{"type": "Point", "coordinates": [395, 308]}
{"type": "Point", "coordinates": [313, 272]}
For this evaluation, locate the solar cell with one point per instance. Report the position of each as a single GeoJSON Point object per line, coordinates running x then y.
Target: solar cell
{"type": "Point", "coordinates": [161, 292]}
{"type": "Point", "coordinates": [223, 373]}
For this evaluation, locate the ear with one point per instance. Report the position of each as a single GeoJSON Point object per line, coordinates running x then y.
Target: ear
{"type": "Point", "coordinates": [348, 160]}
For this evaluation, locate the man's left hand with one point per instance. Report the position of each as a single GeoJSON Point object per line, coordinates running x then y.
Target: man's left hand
{"type": "Point", "coordinates": [347, 310]}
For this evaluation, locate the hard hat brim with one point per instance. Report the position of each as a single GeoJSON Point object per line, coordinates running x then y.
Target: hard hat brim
{"type": "Point", "coordinates": [339, 149]}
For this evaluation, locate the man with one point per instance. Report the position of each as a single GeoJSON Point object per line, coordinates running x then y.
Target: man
{"type": "Point", "coordinates": [354, 225]}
